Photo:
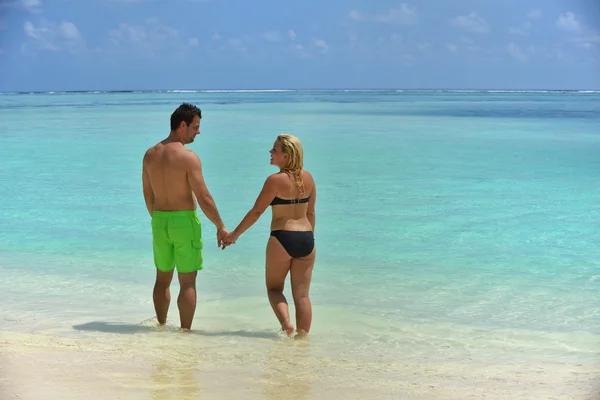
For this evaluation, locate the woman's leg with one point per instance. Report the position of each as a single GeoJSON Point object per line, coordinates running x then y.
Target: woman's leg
{"type": "Point", "coordinates": [277, 266]}
{"type": "Point", "coordinates": [301, 275]}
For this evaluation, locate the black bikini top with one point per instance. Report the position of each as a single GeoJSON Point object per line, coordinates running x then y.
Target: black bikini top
{"type": "Point", "coordinates": [278, 201]}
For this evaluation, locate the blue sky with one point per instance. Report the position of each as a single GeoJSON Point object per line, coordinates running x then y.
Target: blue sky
{"type": "Point", "coordinates": [50, 45]}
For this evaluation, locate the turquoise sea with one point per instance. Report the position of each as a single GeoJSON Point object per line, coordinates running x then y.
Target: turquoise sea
{"type": "Point", "coordinates": [457, 231]}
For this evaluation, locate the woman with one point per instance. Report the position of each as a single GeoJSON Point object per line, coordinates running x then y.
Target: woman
{"type": "Point", "coordinates": [291, 193]}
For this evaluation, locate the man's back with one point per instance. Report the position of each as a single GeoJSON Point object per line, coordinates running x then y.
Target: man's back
{"type": "Point", "coordinates": [167, 165]}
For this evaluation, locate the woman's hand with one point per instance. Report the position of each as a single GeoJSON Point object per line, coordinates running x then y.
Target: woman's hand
{"type": "Point", "coordinates": [229, 239]}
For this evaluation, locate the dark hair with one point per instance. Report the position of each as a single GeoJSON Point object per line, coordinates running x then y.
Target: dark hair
{"type": "Point", "coordinates": [185, 112]}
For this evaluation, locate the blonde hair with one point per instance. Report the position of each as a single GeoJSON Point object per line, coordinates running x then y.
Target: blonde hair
{"type": "Point", "coordinates": [291, 146]}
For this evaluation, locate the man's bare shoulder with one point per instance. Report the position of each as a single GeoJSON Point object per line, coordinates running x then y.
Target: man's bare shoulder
{"type": "Point", "coordinates": [188, 159]}
{"type": "Point", "coordinates": [149, 155]}
{"type": "Point", "coordinates": [171, 150]}
{"type": "Point", "coordinates": [153, 150]}
{"type": "Point", "coordinates": [187, 154]}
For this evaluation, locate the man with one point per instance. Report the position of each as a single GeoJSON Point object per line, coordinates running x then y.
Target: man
{"type": "Point", "coordinates": [172, 175]}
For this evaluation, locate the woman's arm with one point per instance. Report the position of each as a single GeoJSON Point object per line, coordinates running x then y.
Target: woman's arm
{"type": "Point", "coordinates": [310, 212]}
{"type": "Point", "coordinates": [265, 197]}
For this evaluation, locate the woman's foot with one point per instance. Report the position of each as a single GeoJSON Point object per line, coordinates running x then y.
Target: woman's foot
{"type": "Point", "coordinates": [300, 334]}
{"type": "Point", "coordinates": [288, 328]}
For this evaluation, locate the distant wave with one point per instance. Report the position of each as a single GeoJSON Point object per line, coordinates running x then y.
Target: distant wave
{"type": "Point", "coordinates": [231, 91]}
{"type": "Point", "coordinates": [482, 91]}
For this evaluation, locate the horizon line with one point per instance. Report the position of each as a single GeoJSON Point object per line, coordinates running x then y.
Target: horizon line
{"type": "Point", "coordinates": [98, 91]}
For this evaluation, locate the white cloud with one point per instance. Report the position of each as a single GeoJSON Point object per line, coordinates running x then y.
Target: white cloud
{"type": "Point", "coordinates": [321, 44]}
{"type": "Point", "coordinates": [155, 1]}
{"type": "Point", "coordinates": [235, 42]}
{"type": "Point", "coordinates": [240, 45]}
{"type": "Point", "coordinates": [471, 23]}
{"type": "Point", "coordinates": [253, 45]}
{"type": "Point", "coordinates": [407, 59]}
{"type": "Point", "coordinates": [588, 41]}
{"type": "Point", "coordinates": [272, 36]}
{"type": "Point", "coordinates": [51, 36]}
{"type": "Point", "coordinates": [522, 30]}
{"type": "Point", "coordinates": [403, 15]}
{"type": "Point", "coordinates": [149, 40]}
{"type": "Point", "coordinates": [525, 28]}
{"type": "Point", "coordinates": [30, 3]}
{"type": "Point", "coordinates": [569, 22]}
{"type": "Point", "coordinates": [33, 6]}
{"type": "Point", "coordinates": [470, 45]}
{"type": "Point", "coordinates": [522, 54]}
{"type": "Point", "coordinates": [356, 15]}
{"type": "Point", "coordinates": [68, 30]}
{"type": "Point", "coordinates": [299, 50]}
{"type": "Point", "coordinates": [452, 48]}
{"type": "Point", "coordinates": [515, 52]}
{"type": "Point", "coordinates": [582, 36]}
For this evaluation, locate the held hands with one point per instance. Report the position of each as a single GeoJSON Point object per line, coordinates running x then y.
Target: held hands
{"type": "Point", "coordinates": [221, 234]}
{"type": "Point", "coordinates": [229, 239]}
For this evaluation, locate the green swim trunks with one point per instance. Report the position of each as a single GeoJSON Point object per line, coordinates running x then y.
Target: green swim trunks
{"type": "Point", "coordinates": [177, 240]}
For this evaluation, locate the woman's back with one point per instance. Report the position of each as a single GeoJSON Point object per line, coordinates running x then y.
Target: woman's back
{"type": "Point", "coordinates": [293, 207]}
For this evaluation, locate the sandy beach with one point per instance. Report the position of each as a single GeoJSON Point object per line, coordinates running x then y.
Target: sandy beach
{"type": "Point", "coordinates": [42, 367]}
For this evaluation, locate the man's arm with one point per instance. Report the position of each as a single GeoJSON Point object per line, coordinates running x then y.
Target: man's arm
{"type": "Point", "coordinates": [148, 192]}
{"type": "Point", "coordinates": [198, 185]}
{"type": "Point", "coordinates": [265, 197]}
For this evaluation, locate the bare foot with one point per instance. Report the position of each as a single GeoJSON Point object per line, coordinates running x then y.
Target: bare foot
{"type": "Point", "coordinates": [301, 334]}
{"type": "Point", "coordinates": [288, 328]}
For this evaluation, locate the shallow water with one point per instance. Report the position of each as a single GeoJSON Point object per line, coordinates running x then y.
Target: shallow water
{"type": "Point", "coordinates": [451, 227]}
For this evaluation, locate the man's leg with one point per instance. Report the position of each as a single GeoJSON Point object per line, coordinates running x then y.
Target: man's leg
{"type": "Point", "coordinates": [187, 236]}
{"type": "Point", "coordinates": [162, 295]}
{"type": "Point", "coordinates": [186, 302]}
{"type": "Point", "coordinates": [164, 261]}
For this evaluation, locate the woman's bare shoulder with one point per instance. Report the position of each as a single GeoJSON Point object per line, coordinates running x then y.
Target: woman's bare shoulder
{"type": "Point", "coordinates": [307, 175]}
{"type": "Point", "coordinates": [309, 181]}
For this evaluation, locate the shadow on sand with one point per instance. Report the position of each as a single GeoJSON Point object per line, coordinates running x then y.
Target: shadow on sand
{"type": "Point", "coordinates": [116, 327]}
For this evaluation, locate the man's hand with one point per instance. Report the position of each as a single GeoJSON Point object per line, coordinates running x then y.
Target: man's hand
{"type": "Point", "coordinates": [221, 234]}
{"type": "Point", "coordinates": [230, 239]}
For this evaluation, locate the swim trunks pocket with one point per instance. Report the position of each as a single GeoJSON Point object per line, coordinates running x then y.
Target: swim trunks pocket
{"type": "Point", "coordinates": [197, 246]}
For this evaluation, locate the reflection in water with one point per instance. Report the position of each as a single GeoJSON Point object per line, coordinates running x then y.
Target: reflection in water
{"type": "Point", "coordinates": [175, 375]}
{"type": "Point", "coordinates": [288, 372]}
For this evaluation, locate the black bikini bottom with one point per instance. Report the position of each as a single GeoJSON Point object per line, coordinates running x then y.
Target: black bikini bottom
{"type": "Point", "coordinates": [296, 243]}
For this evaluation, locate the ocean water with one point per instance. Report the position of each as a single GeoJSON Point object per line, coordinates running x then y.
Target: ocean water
{"type": "Point", "coordinates": [451, 226]}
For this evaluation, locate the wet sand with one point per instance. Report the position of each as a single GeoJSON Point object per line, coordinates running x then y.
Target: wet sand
{"type": "Point", "coordinates": [43, 367]}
